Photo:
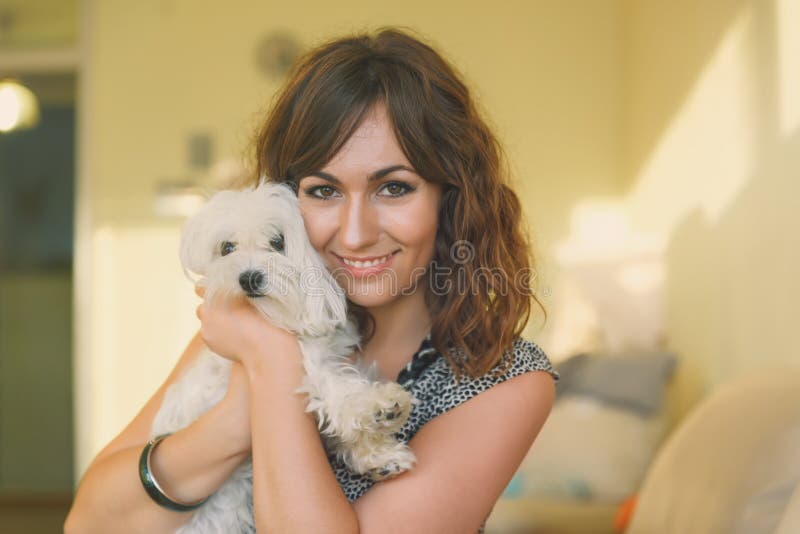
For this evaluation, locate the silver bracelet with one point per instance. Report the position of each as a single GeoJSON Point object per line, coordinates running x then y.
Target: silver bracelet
{"type": "Point", "coordinates": [152, 486]}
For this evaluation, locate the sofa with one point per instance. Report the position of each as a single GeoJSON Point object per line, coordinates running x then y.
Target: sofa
{"type": "Point", "coordinates": [731, 466]}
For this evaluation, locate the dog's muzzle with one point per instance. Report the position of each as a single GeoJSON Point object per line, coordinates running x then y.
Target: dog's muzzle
{"type": "Point", "coordinates": [252, 283]}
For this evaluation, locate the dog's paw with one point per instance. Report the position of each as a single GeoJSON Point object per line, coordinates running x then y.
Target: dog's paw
{"type": "Point", "coordinates": [389, 417]}
{"type": "Point", "coordinates": [392, 406]}
{"type": "Point", "coordinates": [380, 458]}
{"type": "Point", "coordinates": [401, 461]}
{"type": "Point", "coordinates": [379, 410]}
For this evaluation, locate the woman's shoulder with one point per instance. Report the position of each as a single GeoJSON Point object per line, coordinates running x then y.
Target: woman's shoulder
{"type": "Point", "coordinates": [439, 390]}
{"type": "Point", "coordinates": [522, 356]}
{"type": "Point", "coordinates": [528, 356]}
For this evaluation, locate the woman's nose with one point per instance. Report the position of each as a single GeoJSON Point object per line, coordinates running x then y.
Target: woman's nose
{"type": "Point", "coordinates": [359, 225]}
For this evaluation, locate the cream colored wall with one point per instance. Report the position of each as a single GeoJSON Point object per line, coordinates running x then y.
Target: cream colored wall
{"type": "Point", "coordinates": [162, 70]}
{"type": "Point", "coordinates": [712, 159]}
{"type": "Point", "coordinates": [40, 24]}
{"type": "Point", "coordinates": [548, 73]}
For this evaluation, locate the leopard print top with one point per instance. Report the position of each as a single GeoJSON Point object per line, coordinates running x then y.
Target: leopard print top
{"type": "Point", "coordinates": [430, 379]}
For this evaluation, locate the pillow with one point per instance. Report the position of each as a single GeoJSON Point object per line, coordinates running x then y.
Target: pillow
{"type": "Point", "coordinates": [588, 450]}
{"type": "Point", "coordinates": [730, 465]}
{"type": "Point", "coordinates": [790, 522]}
{"type": "Point", "coordinates": [633, 381]}
{"type": "Point", "coordinates": [764, 510]}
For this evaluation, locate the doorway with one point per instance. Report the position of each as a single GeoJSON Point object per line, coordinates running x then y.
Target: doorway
{"type": "Point", "coordinates": [37, 177]}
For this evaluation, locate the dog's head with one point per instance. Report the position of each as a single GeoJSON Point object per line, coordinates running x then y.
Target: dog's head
{"type": "Point", "coordinates": [253, 242]}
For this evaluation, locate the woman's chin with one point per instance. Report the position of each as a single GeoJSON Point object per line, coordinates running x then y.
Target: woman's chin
{"type": "Point", "coordinates": [371, 300]}
{"type": "Point", "coordinates": [376, 296]}
{"type": "Point", "coordinates": [376, 292]}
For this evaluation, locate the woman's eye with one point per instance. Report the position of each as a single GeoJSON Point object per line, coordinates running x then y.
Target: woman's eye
{"type": "Point", "coordinates": [389, 189]}
{"type": "Point", "coordinates": [396, 189]}
{"type": "Point", "coordinates": [323, 192]}
{"type": "Point", "coordinates": [226, 248]}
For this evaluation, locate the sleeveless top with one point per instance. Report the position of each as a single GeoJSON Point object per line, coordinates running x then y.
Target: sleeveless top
{"type": "Point", "coordinates": [430, 379]}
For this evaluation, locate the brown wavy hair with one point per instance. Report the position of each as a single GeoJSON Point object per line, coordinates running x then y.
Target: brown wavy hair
{"type": "Point", "coordinates": [482, 256]}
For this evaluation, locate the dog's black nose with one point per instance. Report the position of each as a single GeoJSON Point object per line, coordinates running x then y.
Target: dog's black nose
{"type": "Point", "coordinates": [251, 282]}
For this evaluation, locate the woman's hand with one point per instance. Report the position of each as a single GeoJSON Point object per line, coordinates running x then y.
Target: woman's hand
{"type": "Point", "coordinates": [236, 330]}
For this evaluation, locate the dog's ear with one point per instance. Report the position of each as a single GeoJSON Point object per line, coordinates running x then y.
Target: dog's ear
{"type": "Point", "coordinates": [325, 303]}
{"type": "Point", "coordinates": [195, 252]}
{"type": "Point", "coordinates": [201, 232]}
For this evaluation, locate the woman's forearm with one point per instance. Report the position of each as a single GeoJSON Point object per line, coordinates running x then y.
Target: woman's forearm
{"type": "Point", "coordinates": [294, 487]}
{"type": "Point", "coordinates": [189, 465]}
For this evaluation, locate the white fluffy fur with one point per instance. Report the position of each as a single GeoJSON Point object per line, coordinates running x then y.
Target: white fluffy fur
{"type": "Point", "coordinates": [358, 415]}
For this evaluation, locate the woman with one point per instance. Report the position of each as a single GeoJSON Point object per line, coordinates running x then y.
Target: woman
{"type": "Point", "coordinates": [403, 194]}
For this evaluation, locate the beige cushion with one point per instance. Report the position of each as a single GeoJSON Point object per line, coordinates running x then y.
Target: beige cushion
{"type": "Point", "coordinates": [732, 465]}
{"type": "Point", "coordinates": [590, 451]}
{"type": "Point", "coordinates": [790, 523]}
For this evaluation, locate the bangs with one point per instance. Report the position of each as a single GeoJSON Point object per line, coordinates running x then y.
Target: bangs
{"type": "Point", "coordinates": [326, 115]}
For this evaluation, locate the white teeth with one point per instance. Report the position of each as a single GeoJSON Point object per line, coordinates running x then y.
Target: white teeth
{"type": "Point", "coordinates": [363, 264]}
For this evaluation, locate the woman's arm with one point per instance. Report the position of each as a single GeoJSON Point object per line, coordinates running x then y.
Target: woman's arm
{"type": "Point", "coordinates": [294, 488]}
{"type": "Point", "coordinates": [190, 465]}
{"type": "Point", "coordinates": [465, 458]}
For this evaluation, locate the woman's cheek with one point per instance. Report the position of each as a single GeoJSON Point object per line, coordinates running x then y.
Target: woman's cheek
{"type": "Point", "coordinates": [414, 227]}
{"type": "Point", "coordinates": [319, 221]}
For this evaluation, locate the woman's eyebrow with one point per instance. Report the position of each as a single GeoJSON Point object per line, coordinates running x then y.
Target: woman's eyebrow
{"type": "Point", "coordinates": [374, 176]}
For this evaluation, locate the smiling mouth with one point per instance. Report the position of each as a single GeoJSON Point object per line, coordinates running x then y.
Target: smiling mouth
{"type": "Point", "coordinates": [364, 264]}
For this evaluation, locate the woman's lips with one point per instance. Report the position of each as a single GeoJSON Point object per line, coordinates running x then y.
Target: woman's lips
{"type": "Point", "coordinates": [362, 268]}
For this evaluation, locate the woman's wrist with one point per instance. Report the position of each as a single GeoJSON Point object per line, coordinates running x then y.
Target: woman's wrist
{"type": "Point", "coordinates": [189, 468]}
{"type": "Point", "coordinates": [273, 348]}
{"type": "Point", "coordinates": [154, 488]}
{"type": "Point", "coordinates": [232, 433]}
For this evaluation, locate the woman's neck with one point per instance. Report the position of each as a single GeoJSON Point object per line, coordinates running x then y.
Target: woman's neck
{"type": "Point", "coordinates": [400, 328]}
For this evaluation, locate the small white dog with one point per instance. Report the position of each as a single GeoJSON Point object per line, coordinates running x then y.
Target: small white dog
{"type": "Point", "coordinates": [253, 242]}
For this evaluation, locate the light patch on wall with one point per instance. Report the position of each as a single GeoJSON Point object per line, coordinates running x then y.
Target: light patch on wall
{"type": "Point", "coordinates": [706, 154]}
{"type": "Point", "coordinates": [614, 276]}
{"type": "Point", "coordinates": [172, 200]}
{"type": "Point", "coordinates": [601, 231]}
{"type": "Point", "coordinates": [787, 17]}
{"type": "Point", "coordinates": [104, 347]}
{"type": "Point", "coordinates": [134, 294]}
{"type": "Point", "coordinates": [643, 277]}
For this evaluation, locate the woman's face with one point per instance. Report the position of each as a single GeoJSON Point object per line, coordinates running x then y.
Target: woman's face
{"type": "Point", "coordinates": [370, 215]}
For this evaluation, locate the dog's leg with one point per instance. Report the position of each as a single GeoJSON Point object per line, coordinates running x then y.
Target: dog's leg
{"type": "Point", "coordinates": [358, 417]}
{"type": "Point", "coordinates": [379, 456]}
{"type": "Point", "coordinates": [363, 423]}
{"type": "Point", "coordinates": [385, 407]}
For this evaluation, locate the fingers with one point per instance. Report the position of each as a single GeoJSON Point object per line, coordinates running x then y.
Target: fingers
{"type": "Point", "coordinates": [200, 291]}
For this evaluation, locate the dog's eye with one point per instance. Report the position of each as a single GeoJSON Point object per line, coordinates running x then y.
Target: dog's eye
{"type": "Point", "coordinates": [277, 243]}
{"type": "Point", "coordinates": [226, 248]}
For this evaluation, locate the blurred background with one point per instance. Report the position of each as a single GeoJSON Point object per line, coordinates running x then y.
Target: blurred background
{"type": "Point", "coordinates": [655, 146]}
